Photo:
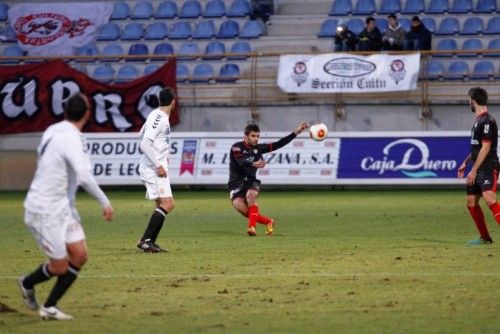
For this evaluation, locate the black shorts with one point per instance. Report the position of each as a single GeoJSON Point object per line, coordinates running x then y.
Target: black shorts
{"type": "Point", "coordinates": [486, 180]}
{"type": "Point", "coordinates": [241, 189]}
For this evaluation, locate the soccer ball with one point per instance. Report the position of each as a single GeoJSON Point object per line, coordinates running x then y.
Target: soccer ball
{"type": "Point", "coordinates": [318, 132]}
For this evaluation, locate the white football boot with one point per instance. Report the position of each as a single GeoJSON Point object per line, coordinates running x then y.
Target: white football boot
{"type": "Point", "coordinates": [53, 313]}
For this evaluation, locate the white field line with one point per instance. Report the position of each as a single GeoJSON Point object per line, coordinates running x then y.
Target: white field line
{"type": "Point", "coordinates": [278, 275]}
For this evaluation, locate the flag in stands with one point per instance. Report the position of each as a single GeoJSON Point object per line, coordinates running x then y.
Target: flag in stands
{"type": "Point", "coordinates": [57, 29]}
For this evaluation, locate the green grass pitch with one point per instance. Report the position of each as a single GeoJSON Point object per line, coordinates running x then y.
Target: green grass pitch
{"type": "Point", "coordinates": [339, 262]}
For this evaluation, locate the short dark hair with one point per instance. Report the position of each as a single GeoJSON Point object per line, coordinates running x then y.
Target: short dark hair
{"type": "Point", "coordinates": [369, 19]}
{"type": "Point", "coordinates": [392, 16]}
{"type": "Point", "coordinates": [479, 95]}
{"type": "Point", "coordinates": [166, 96]}
{"type": "Point", "coordinates": [251, 127]}
{"type": "Point", "coordinates": [75, 107]}
{"type": "Point", "coordinates": [415, 19]}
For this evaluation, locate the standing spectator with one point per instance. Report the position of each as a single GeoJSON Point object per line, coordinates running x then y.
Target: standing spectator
{"type": "Point", "coordinates": [370, 39]}
{"type": "Point", "coordinates": [262, 9]}
{"type": "Point", "coordinates": [345, 40]}
{"type": "Point", "coordinates": [419, 37]}
{"type": "Point", "coordinates": [394, 36]}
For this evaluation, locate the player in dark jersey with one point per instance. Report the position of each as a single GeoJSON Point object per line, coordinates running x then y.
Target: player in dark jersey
{"type": "Point", "coordinates": [483, 176]}
{"type": "Point", "coordinates": [243, 185]}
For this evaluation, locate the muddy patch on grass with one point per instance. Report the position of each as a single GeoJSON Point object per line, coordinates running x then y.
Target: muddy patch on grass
{"type": "Point", "coordinates": [6, 309]}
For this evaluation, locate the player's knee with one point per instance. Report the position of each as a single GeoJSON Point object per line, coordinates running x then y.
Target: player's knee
{"type": "Point", "coordinates": [58, 267]}
{"type": "Point", "coordinates": [168, 206]}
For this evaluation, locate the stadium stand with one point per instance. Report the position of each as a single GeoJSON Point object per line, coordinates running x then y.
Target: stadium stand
{"type": "Point", "coordinates": [435, 70]}
{"type": "Point", "coordinates": [471, 44]}
{"type": "Point", "coordinates": [182, 73]}
{"type": "Point", "coordinates": [156, 31]}
{"type": "Point", "coordinates": [472, 26]}
{"type": "Point", "coordinates": [202, 73]}
{"type": "Point", "coordinates": [239, 8]}
{"type": "Point", "coordinates": [364, 7]}
{"type": "Point", "coordinates": [448, 26]}
{"type": "Point", "coordinates": [104, 73]}
{"type": "Point", "coordinates": [485, 6]}
{"type": "Point", "coordinates": [204, 30]}
{"type": "Point", "coordinates": [133, 32]}
{"type": "Point", "coordinates": [239, 51]}
{"type": "Point", "coordinates": [229, 29]}
{"type": "Point", "coordinates": [150, 68]}
{"type": "Point", "coordinates": [341, 8]}
{"type": "Point", "coordinates": [461, 7]}
{"type": "Point", "coordinates": [138, 49]}
{"type": "Point", "coordinates": [190, 9]}
{"type": "Point", "coordinates": [126, 73]}
{"type": "Point", "coordinates": [11, 51]}
{"type": "Point", "coordinates": [166, 10]}
{"type": "Point", "coordinates": [414, 7]}
{"type": "Point", "coordinates": [483, 70]}
{"type": "Point", "coordinates": [143, 10]}
{"type": "Point", "coordinates": [214, 8]}
{"type": "Point", "coordinates": [458, 70]}
{"type": "Point", "coordinates": [214, 50]}
{"type": "Point", "coordinates": [437, 7]}
{"type": "Point", "coordinates": [121, 11]}
{"type": "Point", "coordinates": [228, 73]}
{"type": "Point", "coordinates": [390, 7]}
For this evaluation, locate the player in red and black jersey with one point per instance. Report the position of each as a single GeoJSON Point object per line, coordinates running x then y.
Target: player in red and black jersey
{"type": "Point", "coordinates": [483, 176]}
{"type": "Point", "coordinates": [243, 185]}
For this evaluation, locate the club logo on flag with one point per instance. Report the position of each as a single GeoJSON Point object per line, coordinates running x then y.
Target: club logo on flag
{"type": "Point", "coordinates": [300, 74]}
{"type": "Point", "coordinates": [188, 156]}
{"type": "Point", "coordinates": [398, 71]}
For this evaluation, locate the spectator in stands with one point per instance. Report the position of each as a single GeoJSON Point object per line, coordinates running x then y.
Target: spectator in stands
{"type": "Point", "coordinates": [370, 39]}
{"type": "Point", "coordinates": [345, 40]}
{"type": "Point", "coordinates": [262, 9]}
{"type": "Point", "coordinates": [394, 36]}
{"type": "Point", "coordinates": [419, 37]}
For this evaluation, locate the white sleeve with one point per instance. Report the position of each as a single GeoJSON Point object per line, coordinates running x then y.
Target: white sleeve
{"type": "Point", "coordinates": [152, 127]}
{"type": "Point", "coordinates": [80, 163]}
{"type": "Point", "coordinates": [147, 148]}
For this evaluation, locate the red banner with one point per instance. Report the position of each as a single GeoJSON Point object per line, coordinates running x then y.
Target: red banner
{"type": "Point", "coordinates": [32, 97]}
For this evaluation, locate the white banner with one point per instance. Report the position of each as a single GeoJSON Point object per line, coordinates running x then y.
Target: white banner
{"type": "Point", "coordinates": [348, 73]}
{"type": "Point", "coordinates": [203, 158]}
{"type": "Point", "coordinates": [55, 29]}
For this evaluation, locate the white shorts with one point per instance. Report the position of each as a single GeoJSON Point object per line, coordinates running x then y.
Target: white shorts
{"type": "Point", "coordinates": [53, 231]}
{"type": "Point", "coordinates": [156, 186]}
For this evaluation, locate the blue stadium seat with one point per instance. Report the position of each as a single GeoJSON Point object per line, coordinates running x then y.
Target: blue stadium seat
{"type": "Point", "coordinates": [390, 7]}
{"type": "Point", "coordinates": [364, 7]}
{"type": "Point", "coordinates": [188, 51]}
{"type": "Point", "coordinates": [355, 25]}
{"type": "Point", "coordinates": [126, 73]}
{"type": "Point", "coordinates": [156, 30]}
{"type": "Point", "coordinates": [239, 8]}
{"type": "Point", "coordinates": [382, 24]}
{"type": "Point", "coordinates": [104, 73]}
{"type": "Point", "coordinates": [448, 26]}
{"type": "Point", "coordinates": [252, 29]}
{"type": "Point", "coordinates": [204, 30]}
{"type": "Point", "coordinates": [214, 50]}
{"type": "Point", "coordinates": [138, 49]}
{"type": "Point", "coordinates": [483, 70]}
{"type": "Point", "coordinates": [215, 8]}
{"type": "Point", "coordinates": [458, 70]}
{"type": "Point", "coordinates": [493, 27]}
{"type": "Point", "coordinates": [472, 26]}
{"type": "Point", "coordinates": [429, 23]}
{"type": "Point", "coordinates": [405, 23]}
{"type": "Point", "coordinates": [341, 8]}
{"type": "Point", "coordinates": [9, 34]}
{"type": "Point", "coordinates": [112, 50]}
{"type": "Point", "coordinates": [190, 9]}
{"type": "Point", "coordinates": [87, 50]}
{"type": "Point", "coordinates": [4, 8]}
{"type": "Point", "coordinates": [11, 51]}
{"type": "Point", "coordinates": [471, 44]}
{"type": "Point", "coordinates": [446, 45]}
{"type": "Point", "coordinates": [180, 30]}
{"type": "Point", "coordinates": [202, 73]}
{"type": "Point", "coordinates": [133, 31]}
{"type": "Point", "coordinates": [485, 6]}
{"type": "Point", "coordinates": [461, 7]}
{"type": "Point", "coordinates": [229, 29]}
{"type": "Point", "coordinates": [163, 49]}
{"type": "Point", "coordinates": [228, 73]}
{"type": "Point", "coordinates": [437, 7]}
{"type": "Point", "coordinates": [328, 28]}
{"type": "Point", "coordinates": [240, 50]}
{"type": "Point", "coordinates": [150, 68]}
{"type": "Point", "coordinates": [435, 70]}
{"type": "Point", "coordinates": [109, 32]}
{"type": "Point", "coordinates": [143, 10]}
{"type": "Point", "coordinates": [494, 44]}
{"type": "Point", "coordinates": [166, 10]}
{"type": "Point", "coordinates": [121, 11]}
{"type": "Point", "coordinates": [414, 7]}
{"type": "Point", "coordinates": [182, 73]}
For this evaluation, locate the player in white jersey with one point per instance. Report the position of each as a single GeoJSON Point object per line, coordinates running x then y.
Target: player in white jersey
{"type": "Point", "coordinates": [50, 211]}
{"type": "Point", "coordinates": [153, 169]}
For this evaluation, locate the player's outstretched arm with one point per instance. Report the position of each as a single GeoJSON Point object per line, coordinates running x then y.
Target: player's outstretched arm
{"type": "Point", "coordinates": [265, 148]}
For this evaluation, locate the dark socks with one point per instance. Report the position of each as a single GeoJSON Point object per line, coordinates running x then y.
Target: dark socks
{"type": "Point", "coordinates": [155, 225]}
{"type": "Point", "coordinates": [62, 285]}
{"type": "Point", "coordinates": [40, 275]}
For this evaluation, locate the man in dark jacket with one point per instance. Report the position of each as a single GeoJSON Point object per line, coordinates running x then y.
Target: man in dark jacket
{"type": "Point", "coordinates": [370, 39]}
{"type": "Point", "coordinates": [419, 37]}
{"type": "Point", "coordinates": [345, 40]}
{"type": "Point", "coordinates": [262, 9]}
